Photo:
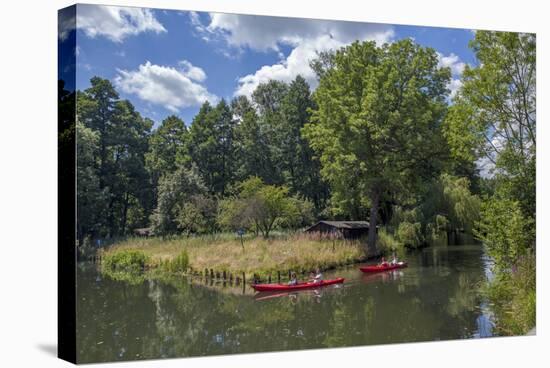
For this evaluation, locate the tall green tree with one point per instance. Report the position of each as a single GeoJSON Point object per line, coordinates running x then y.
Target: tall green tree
{"type": "Point", "coordinates": [300, 169]}
{"type": "Point", "coordinates": [121, 135]}
{"type": "Point", "coordinates": [95, 108]}
{"type": "Point", "coordinates": [166, 145]}
{"type": "Point", "coordinates": [175, 194]}
{"type": "Point", "coordinates": [377, 120]}
{"type": "Point", "coordinates": [211, 146]}
{"type": "Point", "coordinates": [493, 117]}
{"type": "Point", "coordinates": [268, 99]}
{"type": "Point", "coordinates": [252, 146]}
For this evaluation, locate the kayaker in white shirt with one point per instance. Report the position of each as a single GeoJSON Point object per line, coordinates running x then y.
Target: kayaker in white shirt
{"type": "Point", "coordinates": [318, 277]}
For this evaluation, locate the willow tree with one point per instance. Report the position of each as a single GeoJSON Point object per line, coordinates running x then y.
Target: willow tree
{"type": "Point", "coordinates": [376, 127]}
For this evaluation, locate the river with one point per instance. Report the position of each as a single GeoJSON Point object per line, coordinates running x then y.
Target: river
{"type": "Point", "coordinates": [435, 298]}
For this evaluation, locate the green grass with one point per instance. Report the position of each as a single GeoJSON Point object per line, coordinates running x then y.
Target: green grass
{"type": "Point", "coordinates": [513, 298]}
{"type": "Point", "coordinates": [223, 252]}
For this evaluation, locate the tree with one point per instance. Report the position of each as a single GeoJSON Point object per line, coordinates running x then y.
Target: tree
{"type": "Point", "coordinates": [95, 108]}
{"type": "Point", "coordinates": [121, 135]}
{"type": "Point", "coordinates": [300, 169]}
{"type": "Point", "coordinates": [126, 174]}
{"type": "Point", "coordinates": [252, 146]}
{"type": "Point", "coordinates": [260, 206]}
{"type": "Point", "coordinates": [268, 99]}
{"type": "Point", "coordinates": [165, 145]}
{"type": "Point", "coordinates": [91, 201]}
{"type": "Point", "coordinates": [198, 215]}
{"type": "Point", "coordinates": [377, 122]}
{"type": "Point", "coordinates": [506, 232]}
{"type": "Point", "coordinates": [211, 146]}
{"type": "Point", "coordinates": [493, 117]}
{"type": "Point", "coordinates": [175, 192]}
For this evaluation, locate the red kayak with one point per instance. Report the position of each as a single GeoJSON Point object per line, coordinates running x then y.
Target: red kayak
{"type": "Point", "coordinates": [380, 268]}
{"type": "Point", "coordinates": [300, 286]}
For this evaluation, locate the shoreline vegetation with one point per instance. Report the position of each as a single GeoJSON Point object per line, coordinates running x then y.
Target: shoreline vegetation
{"type": "Point", "coordinates": [286, 157]}
{"type": "Point", "coordinates": [257, 257]}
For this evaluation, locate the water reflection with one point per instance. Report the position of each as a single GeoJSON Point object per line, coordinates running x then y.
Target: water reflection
{"type": "Point", "coordinates": [435, 298]}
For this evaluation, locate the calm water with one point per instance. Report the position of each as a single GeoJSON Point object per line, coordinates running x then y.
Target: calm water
{"type": "Point", "coordinates": [435, 298]}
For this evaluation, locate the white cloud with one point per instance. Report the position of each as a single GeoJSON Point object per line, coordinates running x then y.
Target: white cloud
{"type": "Point", "coordinates": [163, 85]}
{"type": "Point", "coordinates": [307, 37]}
{"type": "Point", "coordinates": [268, 33]}
{"type": "Point", "coordinates": [457, 66]}
{"type": "Point", "coordinates": [453, 62]}
{"type": "Point", "coordinates": [192, 72]}
{"type": "Point", "coordinates": [66, 23]}
{"type": "Point", "coordinates": [454, 85]}
{"type": "Point", "coordinates": [116, 23]}
{"type": "Point", "coordinates": [297, 63]}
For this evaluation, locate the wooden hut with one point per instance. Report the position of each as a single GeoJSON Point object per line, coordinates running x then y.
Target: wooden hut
{"type": "Point", "coordinates": [345, 229]}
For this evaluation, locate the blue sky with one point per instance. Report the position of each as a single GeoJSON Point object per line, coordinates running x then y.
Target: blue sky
{"type": "Point", "coordinates": [169, 62]}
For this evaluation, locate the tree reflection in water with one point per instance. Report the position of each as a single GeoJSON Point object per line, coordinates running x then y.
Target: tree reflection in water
{"type": "Point", "coordinates": [435, 298]}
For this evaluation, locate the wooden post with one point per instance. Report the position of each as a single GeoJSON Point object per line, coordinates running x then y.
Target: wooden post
{"type": "Point", "coordinates": [269, 279]}
{"type": "Point", "coordinates": [289, 274]}
{"type": "Point", "coordinates": [244, 278]}
{"type": "Point", "coordinates": [279, 277]}
{"type": "Point", "coordinates": [237, 280]}
{"type": "Point", "coordinates": [224, 275]}
{"type": "Point", "coordinates": [206, 272]}
{"type": "Point", "coordinates": [217, 274]}
{"type": "Point", "coordinates": [211, 273]}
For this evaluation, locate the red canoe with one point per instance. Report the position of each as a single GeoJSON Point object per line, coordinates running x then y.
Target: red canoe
{"type": "Point", "coordinates": [379, 268]}
{"type": "Point", "coordinates": [301, 286]}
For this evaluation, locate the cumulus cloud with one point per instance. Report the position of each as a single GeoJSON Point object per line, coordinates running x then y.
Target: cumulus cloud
{"type": "Point", "coordinates": [116, 23]}
{"type": "Point", "coordinates": [457, 66]}
{"type": "Point", "coordinates": [166, 86]}
{"type": "Point", "coordinates": [297, 63]}
{"type": "Point", "coordinates": [453, 62]}
{"type": "Point", "coordinates": [268, 33]}
{"type": "Point", "coordinates": [192, 72]}
{"type": "Point", "coordinates": [454, 85]}
{"type": "Point", "coordinates": [306, 37]}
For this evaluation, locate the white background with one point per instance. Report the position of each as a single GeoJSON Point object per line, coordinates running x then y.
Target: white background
{"type": "Point", "coordinates": [28, 192]}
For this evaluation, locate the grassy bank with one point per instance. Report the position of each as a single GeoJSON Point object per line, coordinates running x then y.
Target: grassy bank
{"type": "Point", "coordinates": [513, 298]}
{"type": "Point", "coordinates": [224, 252]}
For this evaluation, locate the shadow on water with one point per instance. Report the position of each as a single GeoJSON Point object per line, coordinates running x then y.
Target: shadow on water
{"type": "Point", "coordinates": [435, 298]}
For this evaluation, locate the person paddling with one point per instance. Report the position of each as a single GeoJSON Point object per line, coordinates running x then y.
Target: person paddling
{"type": "Point", "coordinates": [383, 262]}
{"type": "Point", "coordinates": [317, 276]}
{"type": "Point", "coordinates": [293, 279]}
{"type": "Point", "coordinates": [394, 259]}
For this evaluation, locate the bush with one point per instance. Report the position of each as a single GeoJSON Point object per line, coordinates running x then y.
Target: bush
{"type": "Point", "coordinates": [131, 261]}
{"type": "Point", "coordinates": [513, 295]}
{"type": "Point", "coordinates": [387, 242]}
{"type": "Point", "coordinates": [506, 232]}
{"type": "Point", "coordinates": [410, 234]}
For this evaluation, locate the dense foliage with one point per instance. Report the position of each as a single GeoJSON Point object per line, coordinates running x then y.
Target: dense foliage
{"type": "Point", "coordinates": [377, 125]}
{"type": "Point", "coordinates": [493, 121]}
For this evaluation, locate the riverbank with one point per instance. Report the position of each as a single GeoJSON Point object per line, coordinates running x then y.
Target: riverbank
{"type": "Point", "coordinates": [224, 253]}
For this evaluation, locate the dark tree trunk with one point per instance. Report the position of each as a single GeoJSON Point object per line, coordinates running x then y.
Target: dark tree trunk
{"type": "Point", "coordinates": [373, 221]}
